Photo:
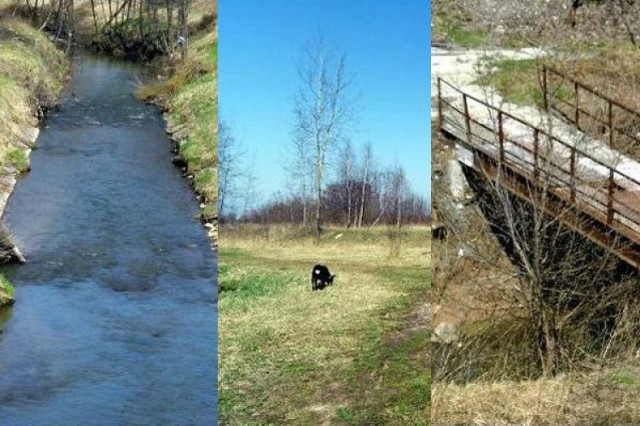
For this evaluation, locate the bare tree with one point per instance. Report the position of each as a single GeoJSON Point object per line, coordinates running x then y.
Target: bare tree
{"type": "Point", "coordinates": [397, 188]}
{"type": "Point", "coordinates": [300, 169]}
{"type": "Point", "coordinates": [183, 17]}
{"type": "Point", "coordinates": [346, 170]}
{"type": "Point", "coordinates": [249, 185]}
{"type": "Point", "coordinates": [380, 180]}
{"type": "Point", "coordinates": [321, 112]}
{"type": "Point", "coordinates": [367, 160]}
{"type": "Point", "coordinates": [229, 157]}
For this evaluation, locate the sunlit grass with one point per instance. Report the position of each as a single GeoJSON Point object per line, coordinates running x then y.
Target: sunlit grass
{"type": "Point", "coordinates": [350, 352]}
{"type": "Point", "coordinates": [32, 72]}
{"type": "Point", "coordinates": [6, 286]}
{"type": "Point", "coordinates": [190, 95]}
{"type": "Point", "coordinates": [6, 293]}
{"type": "Point", "coordinates": [17, 158]}
{"type": "Point", "coordinates": [600, 397]}
{"type": "Point", "coordinates": [515, 79]}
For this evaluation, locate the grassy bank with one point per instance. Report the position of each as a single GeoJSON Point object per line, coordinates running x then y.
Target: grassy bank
{"type": "Point", "coordinates": [32, 74]}
{"type": "Point", "coordinates": [6, 291]}
{"type": "Point", "coordinates": [355, 353]}
{"type": "Point", "coordinates": [190, 98]}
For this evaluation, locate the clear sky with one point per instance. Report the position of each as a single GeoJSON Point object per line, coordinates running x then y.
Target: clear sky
{"type": "Point", "coordinates": [386, 44]}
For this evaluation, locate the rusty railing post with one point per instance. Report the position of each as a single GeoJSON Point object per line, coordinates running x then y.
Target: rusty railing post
{"type": "Point", "coordinates": [545, 101]}
{"type": "Point", "coordinates": [536, 170]}
{"type": "Point", "coordinates": [439, 104]}
{"type": "Point", "coordinates": [610, 112]}
{"type": "Point", "coordinates": [467, 121]}
{"type": "Point", "coordinates": [610, 198]}
{"type": "Point", "coordinates": [577, 106]}
{"type": "Point", "coordinates": [572, 171]}
{"type": "Point", "coordinates": [501, 136]}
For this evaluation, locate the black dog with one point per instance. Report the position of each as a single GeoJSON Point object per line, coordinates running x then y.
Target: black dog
{"type": "Point", "coordinates": [321, 277]}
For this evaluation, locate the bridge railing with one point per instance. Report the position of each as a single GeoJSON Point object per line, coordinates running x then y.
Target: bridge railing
{"type": "Point", "coordinates": [537, 158]}
{"type": "Point", "coordinates": [578, 103]}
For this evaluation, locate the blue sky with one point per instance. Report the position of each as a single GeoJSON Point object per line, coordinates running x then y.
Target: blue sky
{"type": "Point", "coordinates": [386, 45]}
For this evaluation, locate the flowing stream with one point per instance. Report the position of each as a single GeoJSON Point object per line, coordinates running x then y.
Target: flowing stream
{"type": "Point", "coordinates": [115, 318]}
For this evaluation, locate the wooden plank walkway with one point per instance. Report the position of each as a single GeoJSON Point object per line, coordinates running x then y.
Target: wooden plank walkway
{"type": "Point", "coordinates": [579, 171]}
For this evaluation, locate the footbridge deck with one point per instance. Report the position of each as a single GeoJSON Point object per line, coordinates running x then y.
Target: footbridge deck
{"type": "Point", "coordinates": [586, 183]}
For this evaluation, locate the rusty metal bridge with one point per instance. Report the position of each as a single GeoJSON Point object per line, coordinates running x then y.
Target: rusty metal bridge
{"type": "Point", "coordinates": [576, 153]}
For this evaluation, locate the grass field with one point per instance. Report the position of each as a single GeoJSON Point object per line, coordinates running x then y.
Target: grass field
{"type": "Point", "coordinates": [355, 353]}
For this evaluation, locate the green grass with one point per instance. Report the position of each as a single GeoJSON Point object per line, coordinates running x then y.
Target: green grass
{"type": "Point", "coordinates": [6, 295]}
{"type": "Point", "coordinates": [190, 96]}
{"type": "Point", "coordinates": [400, 392]}
{"type": "Point", "coordinates": [204, 179]}
{"type": "Point", "coordinates": [245, 287]}
{"type": "Point", "coordinates": [624, 379]}
{"type": "Point", "coordinates": [466, 37]}
{"type": "Point", "coordinates": [349, 354]}
{"type": "Point", "coordinates": [195, 105]}
{"type": "Point", "coordinates": [454, 27]}
{"type": "Point", "coordinates": [344, 414]}
{"type": "Point", "coordinates": [212, 55]}
{"type": "Point", "coordinates": [6, 286]}
{"type": "Point", "coordinates": [28, 57]}
{"type": "Point", "coordinates": [515, 80]}
{"type": "Point", "coordinates": [629, 378]}
{"type": "Point", "coordinates": [17, 158]}
{"type": "Point", "coordinates": [455, 22]}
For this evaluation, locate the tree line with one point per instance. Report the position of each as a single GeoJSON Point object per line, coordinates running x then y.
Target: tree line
{"type": "Point", "coordinates": [144, 27]}
{"type": "Point", "coordinates": [359, 194]}
{"type": "Point", "coordinates": [362, 193]}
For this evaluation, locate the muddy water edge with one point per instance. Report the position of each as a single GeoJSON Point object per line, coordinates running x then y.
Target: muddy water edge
{"type": "Point", "coordinates": [115, 319]}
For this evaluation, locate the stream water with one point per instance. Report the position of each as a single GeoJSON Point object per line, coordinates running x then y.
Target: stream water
{"type": "Point", "coordinates": [115, 318]}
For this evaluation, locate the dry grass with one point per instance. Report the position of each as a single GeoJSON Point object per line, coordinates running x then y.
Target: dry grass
{"type": "Point", "coordinates": [353, 353]}
{"type": "Point", "coordinates": [610, 397]}
{"type": "Point", "coordinates": [31, 73]}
